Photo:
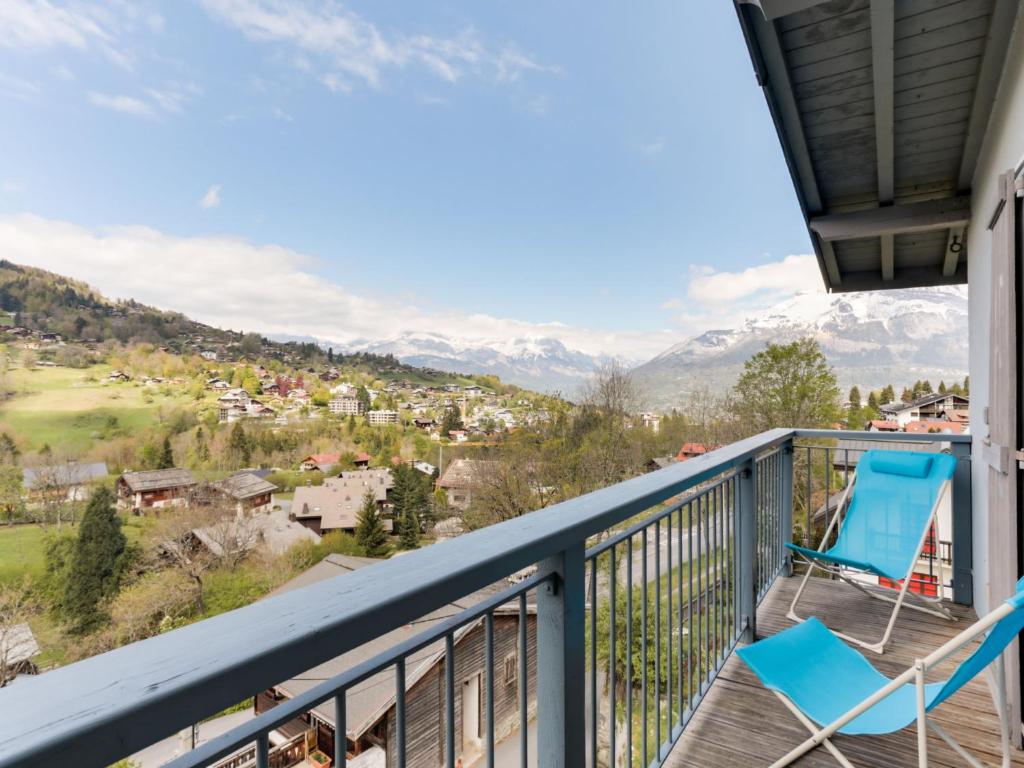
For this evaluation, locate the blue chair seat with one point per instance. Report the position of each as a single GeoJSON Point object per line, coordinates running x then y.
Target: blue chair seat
{"type": "Point", "coordinates": [826, 678]}
{"type": "Point", "coordinates": [831, 556]}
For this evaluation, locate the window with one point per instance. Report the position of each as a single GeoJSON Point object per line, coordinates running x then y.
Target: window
{"type": "Point", "coordinates": [511, 669]}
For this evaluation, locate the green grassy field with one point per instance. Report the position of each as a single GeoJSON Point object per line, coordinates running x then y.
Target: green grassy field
{"type": "Point", "coordinates": [69, 407]}
{"type": "Point", "coordinates": [21, 551]}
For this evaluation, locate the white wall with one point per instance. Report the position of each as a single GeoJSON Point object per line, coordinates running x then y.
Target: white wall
{"type": "Point", "coordinates": [1002, 149]}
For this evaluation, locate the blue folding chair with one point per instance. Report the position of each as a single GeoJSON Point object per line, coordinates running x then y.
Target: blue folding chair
{"type": "Point", "coordinates": [832, 688]}
{"type": "Point", "coordinates": [893, 503]}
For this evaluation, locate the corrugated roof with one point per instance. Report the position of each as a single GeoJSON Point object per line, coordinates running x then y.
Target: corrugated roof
{"type": "Point", "coordinates": [337, 502]}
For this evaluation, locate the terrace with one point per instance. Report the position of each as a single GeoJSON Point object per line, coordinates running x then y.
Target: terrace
{"type": "Point", "coordinates": [902, 124]}
{"type": "Point", "coordinates": [698, 553]}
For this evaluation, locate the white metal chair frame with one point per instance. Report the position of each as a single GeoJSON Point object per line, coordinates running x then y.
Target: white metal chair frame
{"type": "Point", "coordinates": [995, 677]}
{"type": "Point", "coordinates": [932, 606]}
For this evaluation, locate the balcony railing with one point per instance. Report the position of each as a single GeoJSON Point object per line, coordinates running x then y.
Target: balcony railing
{"type": "Point", "coordinates": [641, 592]}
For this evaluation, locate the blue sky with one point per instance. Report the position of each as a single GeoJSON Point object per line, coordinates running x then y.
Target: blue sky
{"type": "Point", "coordinates": [605, 173]}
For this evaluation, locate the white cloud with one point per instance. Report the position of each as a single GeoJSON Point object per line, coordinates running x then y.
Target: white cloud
{"type": "Point", "coordinates": [18, 87]}
{"type": "Point", "coordinates": [11, 187]}
{"type": "Point", "coordinates": [169, 99]}
{"type": "Point", "coordinates": [280, 114]}
{"type": "Point", "coordinates": [348, 49]}
{"type": "Point", "coordinates": [277, 293]}
{"type": "Point", "coordinates": [82, 25]}
{"type": "Point", "coordinates": [717, 299]}
{"type": "Point", "coordinates": [122, 103]}
{"type": "Point", "coordinates": [655, 147]}
{"type": "Point", "coordinates": [212, 197]}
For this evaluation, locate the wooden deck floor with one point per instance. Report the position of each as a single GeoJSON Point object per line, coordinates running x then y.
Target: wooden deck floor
{"type": "Point", "coordinates": [740, 723]}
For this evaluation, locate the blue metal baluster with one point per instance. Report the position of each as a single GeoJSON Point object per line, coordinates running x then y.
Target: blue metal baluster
{"type": "Point", "coordinates": [679, 621]}
{"type": "Point", "coordinates": [643, 647]}
{"type": "Point", "coordinates": [669, 703]}
{"type": "Point", "coordinates": [657, 639]}
{"type": "Point", "coordinates": [340, 730]}
{"type": "Point", "coordinates": [689, 605]}
{"type": "Point", "coordinates": [612, 629]}
{"type": "Point", "coordinates": [449, 701]}
{"type": "Point", "coordinates": [524, 720]}
{"type": "Point", "coordinates": [593, 662]}
{"type": "Point", "coordinates": [629, 652]}
{"type": "Point", "coordinates": [400, 713]}
{"type": "Point", "coordinates": [489, 672]}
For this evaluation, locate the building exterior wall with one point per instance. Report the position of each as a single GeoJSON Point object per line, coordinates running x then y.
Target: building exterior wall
{"type": "Point", "coordinates": [425, 706]}
{"type": "Point", "coordinates": [1002, 149]}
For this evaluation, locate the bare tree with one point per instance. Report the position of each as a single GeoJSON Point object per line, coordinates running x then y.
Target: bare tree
{"type": "Point", "coordinates": [231, 536]}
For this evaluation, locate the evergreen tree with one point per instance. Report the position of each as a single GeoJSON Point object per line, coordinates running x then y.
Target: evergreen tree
{"type": "Point", "coordinates": [239, 446]}
{"type": "Point", "coordinates": [370, 533]}
{"type": "Point", "coordinates": [906, 396]}
{"type": "Point", "coordinates": [873, 401]}
{"type": "Point", "coordinates": [887, 396]}
{"type": "Point", "coordinates": [330, 354]}
{"type": "Point", "coordinates": [166, 455]}
{"type": "Point", "coordinates": [926, 388]}
{"type": "Point", "coordinates": [942, 387]}
{"type": "Point", "coordinates": [967, 386]}
{"type": "Point", "coordinates": [363, 397]}
{"type": "Point", "coordinates": [451, 422]}
{"type": "Point", "coordinates": [854, 397]}
{"type": "Point", "coordinates": [96, 563]}
{"type": "Point", "coordinates": [409, 529]}
{"type": "Point", "coordinates": [202, 450]}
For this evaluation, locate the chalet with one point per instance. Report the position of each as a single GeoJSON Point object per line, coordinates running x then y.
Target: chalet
{"type": "Point", "coordinates": [217, 383]}
{"type": "Point", "coordinates": [319, 461]}
{"type": "Point", "coordinates": [249, 492]}
{"type": "Point", "coordinates": [236, 396]}
{"type": "Point", "coordinates": [208, 354]}
{"type": "Point", "coordinates": [362, 460]}
{"type": "Point", "coordinates": [458, 435]}
{"type": "Point", "coordinates": [930, 407]}
{"type": "Point", "coordinates": [458, 479]}
{"type": "Point", "coordinates": [473, 390]}
{"type": "Point", "coordinates": [660, 462]}
{"type": "Point", "coordinates": [421, 422]}
{"type": "Point", "coordinates": [298, 395]}
{"type": "Point", "coordinates": [882, 425]}
{"type": "Point", "coordinates": [153, 489]}
{"type": "Point", "coordinates": [119, 376]}
{"type": "Point", "coordinates": [692, 450]}
{"type": "Point", "coordinates": [335, 505]}
{"type": "Point", "coordinates": [370, 706]}
{"type": "Point", "coordinates": [70, 480]}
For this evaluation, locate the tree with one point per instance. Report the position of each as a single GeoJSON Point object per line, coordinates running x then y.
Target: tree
{"type": "Point", "coordinates": [166, 455]}
{"type": "Point", "coordinates": [97, 562]}
{"type": "Point", "coordinates": [942, 387]}
{"type": "Point", "coordinates": [11, 502]}
{"type": "Point", "coordinates": [409, 529]}
{"type": "Point", "coordinates": [452, 421]}
{"type": "Point", "coordinates": [854, 397]}
{"type": "Point", "coordinates": [364, 398]}
{"type": "Point", "coordinates": [906, 396]}
{"type": "Point", "coordinates": [873, 401]}
{"type": "Point", "coordinates": [967, 386]}
{"type": "Point", "coordinates": [9, 451]}
{"type": "Point", "coordinates": [200, 450]}
{"type": "Point", "coordinates": [370, 531]}
{"type": "Point", "coordinates": [887, 395]}
{"type": "Point", "coordinates": [787, 385]}
{"type": "Point", "coordinates": [330, 354]}
{"type": "Point", "coordinates": [239, 446]}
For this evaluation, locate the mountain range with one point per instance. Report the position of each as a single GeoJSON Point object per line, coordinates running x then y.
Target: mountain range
{"type": "Point", "coordinates": [870, 339]}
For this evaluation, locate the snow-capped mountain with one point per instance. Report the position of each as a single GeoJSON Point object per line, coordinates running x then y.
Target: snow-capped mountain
{"type": "Point", "coordinates": [870, 339]}
{"type": "Point", "coordinates": [539, 363]}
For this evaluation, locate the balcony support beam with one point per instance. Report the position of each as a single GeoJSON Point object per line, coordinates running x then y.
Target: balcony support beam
{"type": "Point", "coordinates": [561, 608]}
{"type": "Point", "coordinates": [746, 522]}
{"type": "Point", "coordinates": [963, 539]}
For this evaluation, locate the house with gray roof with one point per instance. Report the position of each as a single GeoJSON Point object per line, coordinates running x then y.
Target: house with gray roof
{"type": "Point", "coordinates": [154, 489]}
{"type": "Point", "coordinates": [370, 705]}
{"type": "Point", "coordinates": [70, 480]}
{"type": "Point", "coordinates": [249, 492]}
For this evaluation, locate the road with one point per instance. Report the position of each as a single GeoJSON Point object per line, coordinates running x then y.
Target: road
{"type": "Point", "coordinates": [659, 548]}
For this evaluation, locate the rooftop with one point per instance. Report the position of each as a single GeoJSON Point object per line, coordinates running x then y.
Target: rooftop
{"type": "Point", "coordinates": [158, 479]}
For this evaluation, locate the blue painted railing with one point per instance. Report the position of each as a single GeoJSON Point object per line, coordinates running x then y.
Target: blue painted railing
{"type": "Point", "coordinates": [690, 550]}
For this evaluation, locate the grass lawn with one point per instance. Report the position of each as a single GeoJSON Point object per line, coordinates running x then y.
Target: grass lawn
{"type": "Point", "coordinates": [70, 407]}
{"type": "Point", "coordinates": [21, 551]}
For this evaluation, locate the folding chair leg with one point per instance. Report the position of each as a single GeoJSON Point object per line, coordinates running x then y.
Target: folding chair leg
{"type": "Point", "coordinates": [791, 615]}
{"type": "Point", "coordinates": [827, 743]}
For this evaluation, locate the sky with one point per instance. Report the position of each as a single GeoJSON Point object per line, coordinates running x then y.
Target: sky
{"type": "Point", "coordinates": [601, 173]}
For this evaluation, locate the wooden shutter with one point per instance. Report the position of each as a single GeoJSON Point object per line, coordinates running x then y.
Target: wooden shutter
{"type": "Point", "coordinates": [999, 447]}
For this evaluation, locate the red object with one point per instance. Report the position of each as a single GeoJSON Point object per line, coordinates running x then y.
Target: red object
{"type": "Point", "coordinates": [920, 583]}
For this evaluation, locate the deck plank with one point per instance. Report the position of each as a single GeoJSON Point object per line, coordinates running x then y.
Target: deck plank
{"type": "Point", "coordinates": [741, 723]}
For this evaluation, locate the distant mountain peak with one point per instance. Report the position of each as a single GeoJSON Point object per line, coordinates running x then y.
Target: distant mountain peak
{"type": "Point", "coordinates": [870, 339]}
